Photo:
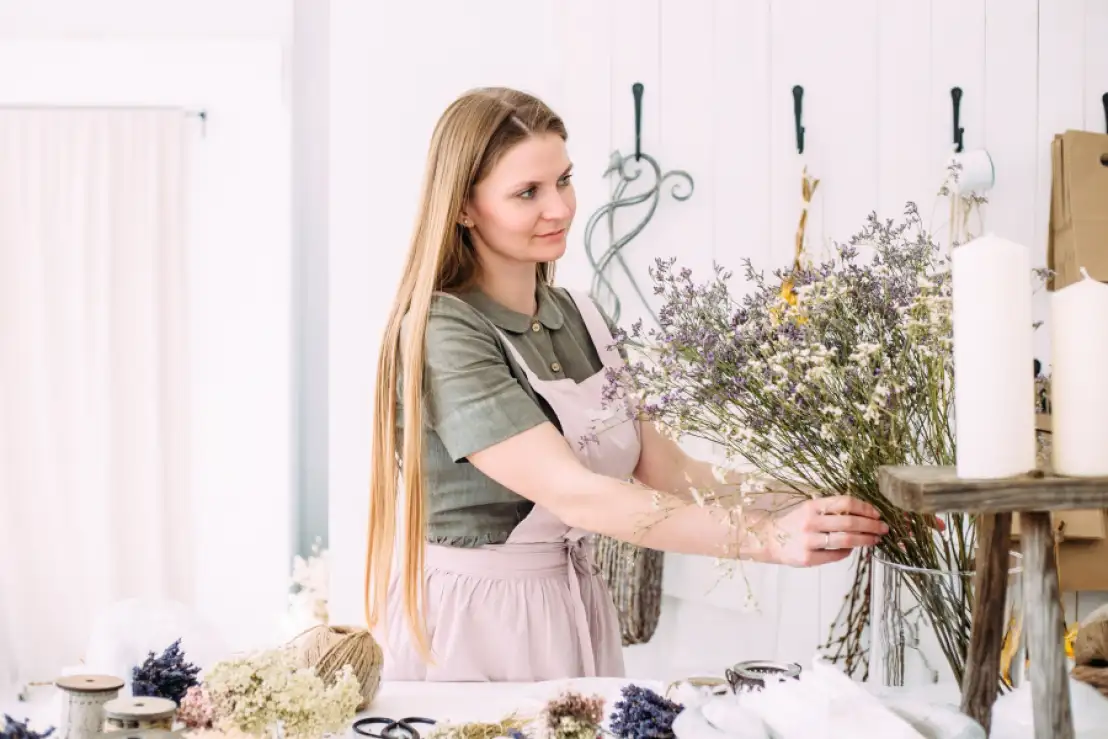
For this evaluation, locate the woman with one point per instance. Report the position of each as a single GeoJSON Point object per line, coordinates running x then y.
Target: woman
{"type": "Point", "coordinates": [489, 381]}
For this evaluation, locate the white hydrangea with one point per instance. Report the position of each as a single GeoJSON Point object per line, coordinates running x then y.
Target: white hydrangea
{"type": "Point", "coordinates": [268, 691]}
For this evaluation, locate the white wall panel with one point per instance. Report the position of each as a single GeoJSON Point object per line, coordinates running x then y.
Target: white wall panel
{"type": "Point", "coordinates": [906, 120]}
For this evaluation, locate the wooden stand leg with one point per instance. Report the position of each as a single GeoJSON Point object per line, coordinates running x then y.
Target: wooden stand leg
{"type": "Point", "coordinates": [990, 581]}
{"type": "Point", "coordinates": [1050, 691]}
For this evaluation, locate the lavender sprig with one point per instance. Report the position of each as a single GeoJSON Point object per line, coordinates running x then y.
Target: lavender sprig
{"type": "Point", "coordinates": [14, 729]}
{"type": "Point", "coordinates": [166, 676]}
{"type": "Point", "coordinates": [643, 714]}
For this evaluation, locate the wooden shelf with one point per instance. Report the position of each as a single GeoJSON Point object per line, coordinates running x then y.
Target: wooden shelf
{"type": "Point", "coordinates": [940, 490]}
{"type": "Point", "coordinates": [1033, 496]}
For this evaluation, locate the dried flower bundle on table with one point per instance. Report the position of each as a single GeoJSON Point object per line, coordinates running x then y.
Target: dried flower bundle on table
{"type": "Point", "coordinates": [643, 714]}
{"type": "Point", "coordinates": [269, 690]}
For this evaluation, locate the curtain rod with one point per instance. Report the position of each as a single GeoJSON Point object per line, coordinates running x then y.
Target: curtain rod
{"type": "Point", "coordinates": [190, 112]}
{"type": "Point", "coordinates": [199, 113]}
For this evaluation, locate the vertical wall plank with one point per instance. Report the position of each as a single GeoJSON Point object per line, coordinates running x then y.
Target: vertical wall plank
{"type": "Point", "coordinates": [1011, 128]}
{"type": "Point", "coordinates": [793, 35]}
{"type": "Point", "coordinates": [636, 57]}
{"type": "Point", "coordinates": [842, 101]}
{"type": "Point", "coordinates": [905, 119]}
{"type": "Point", "coordinates": [584, 30]}
{"type": "Point", "coordinates": [801, 53]}
{"type": "Point", "coordinates": [1096, 64]}
{"type": "Point", "coordinates": [957, 60]}
{"type": "Point", "coordinates": [1061, 106]}
{"type": "Point", "coordinates": [685, 230]}
{"type": "Point", "coordinates": [725, 151]}
{"type": "Point", "coordinates": [841, 107]}
{"type": "Point", "coordinates": [741, 197]}
{"type": "Point", "coordinates": [1011, 94]}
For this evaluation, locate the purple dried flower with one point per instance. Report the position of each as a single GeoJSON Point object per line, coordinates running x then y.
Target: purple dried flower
{"type": "Point", "coordinates": [643, 714]}
{"type": "Point", "coordinates": [166, 676]}
{"type": "Point", "coordinates": [14, 729]}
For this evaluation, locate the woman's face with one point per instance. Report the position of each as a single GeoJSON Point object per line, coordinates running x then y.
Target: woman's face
{"type": "Point", "coordinates": [522, 211]}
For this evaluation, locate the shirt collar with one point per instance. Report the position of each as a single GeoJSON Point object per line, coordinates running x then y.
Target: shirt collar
{"type": "Point", "coordinates": [548, 313]}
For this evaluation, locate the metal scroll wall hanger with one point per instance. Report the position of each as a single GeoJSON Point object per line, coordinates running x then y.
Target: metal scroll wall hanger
{"type": "Point", "coordinates": [628, 169]}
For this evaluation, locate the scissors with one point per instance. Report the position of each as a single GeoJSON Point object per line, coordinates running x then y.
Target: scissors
{"type": "Point", "coordinates": [401, 729]}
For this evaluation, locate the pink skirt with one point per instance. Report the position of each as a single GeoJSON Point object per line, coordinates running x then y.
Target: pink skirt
{"type": "Point", "coordinates": [521, 612]}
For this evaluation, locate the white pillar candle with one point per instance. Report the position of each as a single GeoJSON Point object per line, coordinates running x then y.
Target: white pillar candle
{"type": "Point", "coordinates": [994, 378]}
{"type": "Point", "coordinates": [1078, 384]}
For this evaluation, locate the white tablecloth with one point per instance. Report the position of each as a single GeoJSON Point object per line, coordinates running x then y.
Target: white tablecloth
{"type": "Point", "coordinates": [461, 702]}
{"type": "Point", "coordinates": [452, 702]}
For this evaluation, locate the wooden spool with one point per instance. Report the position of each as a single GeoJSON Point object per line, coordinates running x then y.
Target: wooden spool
{"type": "Point", "coordinates": [142, 713]}
{"type": "Point", "coordinates": [82, 707]}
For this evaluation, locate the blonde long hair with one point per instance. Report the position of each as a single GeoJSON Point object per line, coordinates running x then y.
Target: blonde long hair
{"type": "Point", "coordinates": [473, 133]}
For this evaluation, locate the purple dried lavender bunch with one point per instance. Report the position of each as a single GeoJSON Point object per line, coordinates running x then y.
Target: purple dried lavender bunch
{"type": "Point", "coordinates": [166, 676]}
{"type": "Point", "coordinates": [643, 714]}
{"type": "Point", "coordinates": [14, 729]}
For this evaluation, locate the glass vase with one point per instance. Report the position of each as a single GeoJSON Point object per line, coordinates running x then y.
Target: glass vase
{"type": "Point", "coordinates": [920, 624]}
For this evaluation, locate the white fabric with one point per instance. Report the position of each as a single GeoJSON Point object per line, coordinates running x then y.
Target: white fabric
{"type": "Point", "coordinates": [93, 408]}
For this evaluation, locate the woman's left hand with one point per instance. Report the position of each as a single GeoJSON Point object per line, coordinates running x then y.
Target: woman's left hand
{"type": "Point", "coordinates": [821, 531]}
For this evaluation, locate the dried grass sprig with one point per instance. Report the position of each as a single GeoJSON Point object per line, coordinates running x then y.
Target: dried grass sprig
{"type": "Point", "coordinates": [512, 726]}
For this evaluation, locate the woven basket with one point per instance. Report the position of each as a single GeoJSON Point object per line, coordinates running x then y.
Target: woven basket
{"type": "Point", "coordinates": [634, 576]}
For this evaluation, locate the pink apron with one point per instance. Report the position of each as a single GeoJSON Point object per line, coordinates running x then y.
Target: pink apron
{"type": "Point", "coordinates": [534, 608]}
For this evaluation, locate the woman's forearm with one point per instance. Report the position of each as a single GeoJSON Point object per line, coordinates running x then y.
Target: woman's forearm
{"type": "Point", "coordinates": [631, 513]}
{"type": "Point", "coordinates": [540, 465]}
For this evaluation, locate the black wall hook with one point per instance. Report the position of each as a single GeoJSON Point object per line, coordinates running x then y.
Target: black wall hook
{"type": "Point", "coordinates": [798, 107]}
{"type": "Point", "coordinates": [1104, 99]}
{"type": "Point", "coordinates": [636, 91]}
{"type": "Point", "coordinates": [956, 99]}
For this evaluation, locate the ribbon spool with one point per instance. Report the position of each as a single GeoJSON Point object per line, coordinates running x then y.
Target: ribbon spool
{"type": "Point", "coordinates": [84, 697]}
{"type": "Point", "coordinates": [139, 713]}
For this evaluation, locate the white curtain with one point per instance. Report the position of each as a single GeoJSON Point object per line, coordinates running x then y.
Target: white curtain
{"type": "Point", "coordinates": [94, 426]}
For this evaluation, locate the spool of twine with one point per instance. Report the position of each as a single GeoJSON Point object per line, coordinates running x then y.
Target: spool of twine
{"type": "Point", "coordinates": [1090, 651]}
{"type": "Point", "coordinates": [327, 649]}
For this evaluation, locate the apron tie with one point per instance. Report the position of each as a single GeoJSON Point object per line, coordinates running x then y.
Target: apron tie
{"type": "Point", "coordinates": [581, 566]}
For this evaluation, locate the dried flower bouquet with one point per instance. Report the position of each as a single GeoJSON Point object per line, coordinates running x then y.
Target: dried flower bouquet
{"type": "Point", "coordinates": [817, 377]}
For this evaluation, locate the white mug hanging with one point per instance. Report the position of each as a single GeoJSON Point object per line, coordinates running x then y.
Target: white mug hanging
{"type": "Point", "coordinates": [975, 171]}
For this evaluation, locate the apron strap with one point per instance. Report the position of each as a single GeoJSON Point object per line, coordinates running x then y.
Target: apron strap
{"type": "Point", "coordinates": [580, 567]}
{"type": "Point", "coordinates": [598, 330]}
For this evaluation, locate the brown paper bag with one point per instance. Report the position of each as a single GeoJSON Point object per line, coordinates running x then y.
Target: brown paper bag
{"type": "Point", "coordinates": [1078, 208]}
{"type": "Point", "coordinates": [1079, 240]}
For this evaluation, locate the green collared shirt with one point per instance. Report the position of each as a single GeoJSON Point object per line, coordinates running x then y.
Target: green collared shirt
{"type": "Point", "coordinates": [477, 395]}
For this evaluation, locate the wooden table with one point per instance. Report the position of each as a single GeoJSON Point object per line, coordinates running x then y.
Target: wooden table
{"type": "Point", "coordinates": [1033, 496]}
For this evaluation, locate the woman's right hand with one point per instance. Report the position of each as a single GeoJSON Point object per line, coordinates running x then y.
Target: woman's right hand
{"type": "Point", "coordinates": [818, 531]}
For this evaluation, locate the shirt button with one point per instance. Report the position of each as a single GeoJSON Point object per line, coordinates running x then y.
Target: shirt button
{"type": "Point", "coordinates": [536, 327]}
{"type": "Point", "coordinates": [556, 367]}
